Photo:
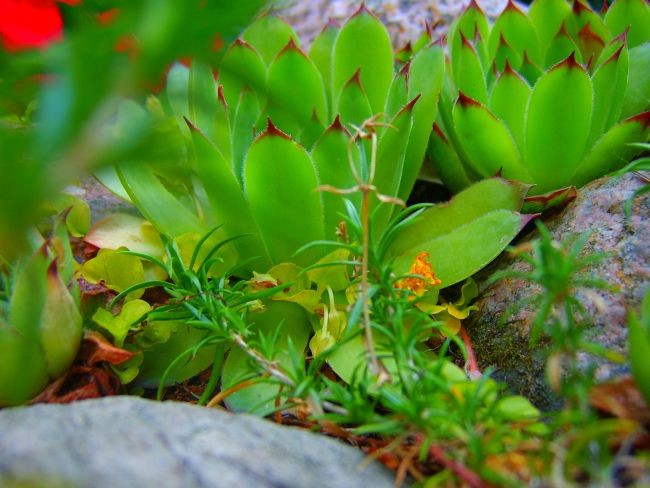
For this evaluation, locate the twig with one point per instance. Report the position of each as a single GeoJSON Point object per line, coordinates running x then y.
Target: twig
{"type": "Point", "coordinates": [471, 366]}
{"type": "Point", "coordinates": [472, 479]}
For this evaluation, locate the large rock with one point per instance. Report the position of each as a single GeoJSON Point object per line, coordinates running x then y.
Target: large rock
{"type": "Point", "coordinates": [599, 211]}
{"type": "Point", "coordinates": [127, 441]}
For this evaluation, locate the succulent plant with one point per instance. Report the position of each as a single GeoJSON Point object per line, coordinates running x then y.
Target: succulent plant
{"type": "Point", "coordinates": [553, 97]}
{"type": "Point", "coordinates": [40, 328]}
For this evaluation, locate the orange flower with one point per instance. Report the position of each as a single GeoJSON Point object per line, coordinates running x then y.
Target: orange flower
{"type": "Point", "coordinates": [419, 285]}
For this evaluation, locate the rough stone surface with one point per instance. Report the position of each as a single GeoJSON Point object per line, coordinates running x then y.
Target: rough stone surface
{"type": "Point", "coordinates": [131, 442]}
{"type": "Point", "coordinates": [599, 211]}
{"type": "Point", "coordinates": [404, 18]}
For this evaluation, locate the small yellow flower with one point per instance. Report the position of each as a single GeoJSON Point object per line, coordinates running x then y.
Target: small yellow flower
{"type": "Point", "coordinates": [419, 285]}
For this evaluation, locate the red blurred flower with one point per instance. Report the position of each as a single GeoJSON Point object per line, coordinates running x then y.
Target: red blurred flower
{"type": "Point", "coordinates": [26, 24]}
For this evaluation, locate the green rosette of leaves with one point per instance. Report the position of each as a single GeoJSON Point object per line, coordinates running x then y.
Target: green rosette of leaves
{"type": "Point", "coordinates": [553, 97]}
{"type": "Point", "coordinates": [274, 127]}
{"type": "Point", "coordinates": [40, 328]}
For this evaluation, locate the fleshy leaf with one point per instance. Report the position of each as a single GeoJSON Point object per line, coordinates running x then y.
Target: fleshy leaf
{"type": "Point", "coordinates": [548, 16]}
{"type": "Point", "coordinates": [469, 75]}
{"type": "Point", "coordinates": [334, 276]}
{"type": "Point", "coordinates": [125, 230]}
{"type": "Point", "coordinates": [295, 90]}
{"type": "Point", "coordinates": [426, 76]}
{"type": "Point", "coordinates": [290, 202]}
{"type": "Point", "coordinates": [557, 125]}
{"type": "Point", "coordinates": [609, 81]}
{"type": "Point", "coordinates": [553, 199]}
{"type": "Point", "coordinates": [268, 35]}
{"type": "Point", "coordinates": [116, 270]}
{"type": "Point", "coordinates": [363, 44]}
{"type": "Point", "coordinates": [509, 100]}
{"type": "Point", "coordinates": [472, 24]}
{"type": "Point", "coordinates": [481, 240]}
{"type": "Point", "coordinates": [243, 130]}
{"type": "Point", "coordinates": [479, 199]}
{"type": "Point", "coordinates": [354, 105]}
{"type": "Point", "coordinates": [446, 162]}
{"type": "Point", "coordinates": [517, 30]}
{"type": "Point", "coordinates": [398, 93]}
{"type": "Point", "coordinates": [613, 150]}
{"type": "Point", "coordinates": [118, 326]}
{"type": "Point", "coordinates": [637, 95]}
{"type": "Point", "coordinates": [634, 14]}
{"type": "Point", "coordinates": [561, 47]}
{"type": "Point", "coordinates": [241, 67]}
{"type": "Point", "coordinates": [487, 142]}
{"type": "Point", "coordinates": [321, 52]}
{"type": "Point", "coordinates": [391, 150]}
{"type": "Point", "coordinates": [228, 201]}
{"type": "Point", "coordinates": [330, 155]}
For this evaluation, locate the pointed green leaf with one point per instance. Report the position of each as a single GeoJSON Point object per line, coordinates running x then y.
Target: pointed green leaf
{"type": "Point", "coordinates": [469, 76]}
{"type": "Point", "coordinates": [241, 67]}
{"type": "Point", "coordinates": [634, 14]}
{"type": "Point", "coordinates": [558, 124]}
{"type": "Point", "coordinates": [585, 25]}
{"type": "Point", "coordinates": [637, 96]}
{"type": "Point", "coordinates": [29, 295]}
{"type": "Point", "coordinates": [268, 35]}
{"type": "Point", "coordinates": [354, 106]}
{"type": "Point", "coordinates": [479, 199]}
{"type": "Point", "coordinates": [243, 131]}
{"type": "Point", "coordinates": [613, 150]}
{"type": "Point", "coordinates": [530, 71]}
{"type": "Point", "coordinates": [561, 47]}
{"type": "Point", "coordinates": [487, 142]}
{"type": "Point", "coordinates": [398, 93]}
{"type": "Point", "coordinates": [330, 155]}
{"type": "Point", "coordinates": [280, 183]}
{"type": "Point", "coordinates": [311, 131]}
{"type": "Point", "coordinates": [548, 16]}
{"type": "Point", "coordinates": [425, 81]}
{"type": "Point", "coordinates": [472, 25]}
{"type": "Point", "coordinates": [156, 203]}
{"type": "Point", "coordinates": [610, 81]}
{"type": "Point", "coordinates": [591, 44]}
{"type": "Point", "coordinates": [228, 202]}
{"type": "Point", "coordinates": [295, 90]}
{"type": "Point", "coordinates": [176, 91]}
{"type": "Point", "coordinates": [363, 44]}
{"type": "Point", "coordinates": [321, 52]}
{"type": "Point", "coordinates": [517, 30]}
{"type": "Point", "coordinates": [506, 55]}
{"type": "Point", "coordinates": [203, 98]}
{"type": "Point", "coordinates": [391, 151]}
{"type": "Point", "coordinates": [464, 250]}
{"type": "Point", "coordinates": [446, 162]}
{"type": "Point", "coordinates": [509, 100]}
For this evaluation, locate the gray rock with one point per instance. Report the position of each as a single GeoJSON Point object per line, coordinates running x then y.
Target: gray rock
{"type": "Point", "coordinates": [598, 210]}
{"type": "Point", "coordinates": [128, 441]}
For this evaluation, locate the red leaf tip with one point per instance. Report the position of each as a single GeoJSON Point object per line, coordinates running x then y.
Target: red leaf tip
{"type": "Point", "coordinates": [439, 132]}
{"type": "Point", "coordinates": [465, 101]}
{"type": "Point", "coordinates": [409, 106]}
{"type": "Point", "coordinates": [473, 5]}
{"type": "Point", "coordinates": [643, 118]}
{"type": "Point", "coordinates": [337, 126]}
{"type": "Point", "coordinates": [355, 79]}
{"type": "Point", "coordinates": [273, 131]}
